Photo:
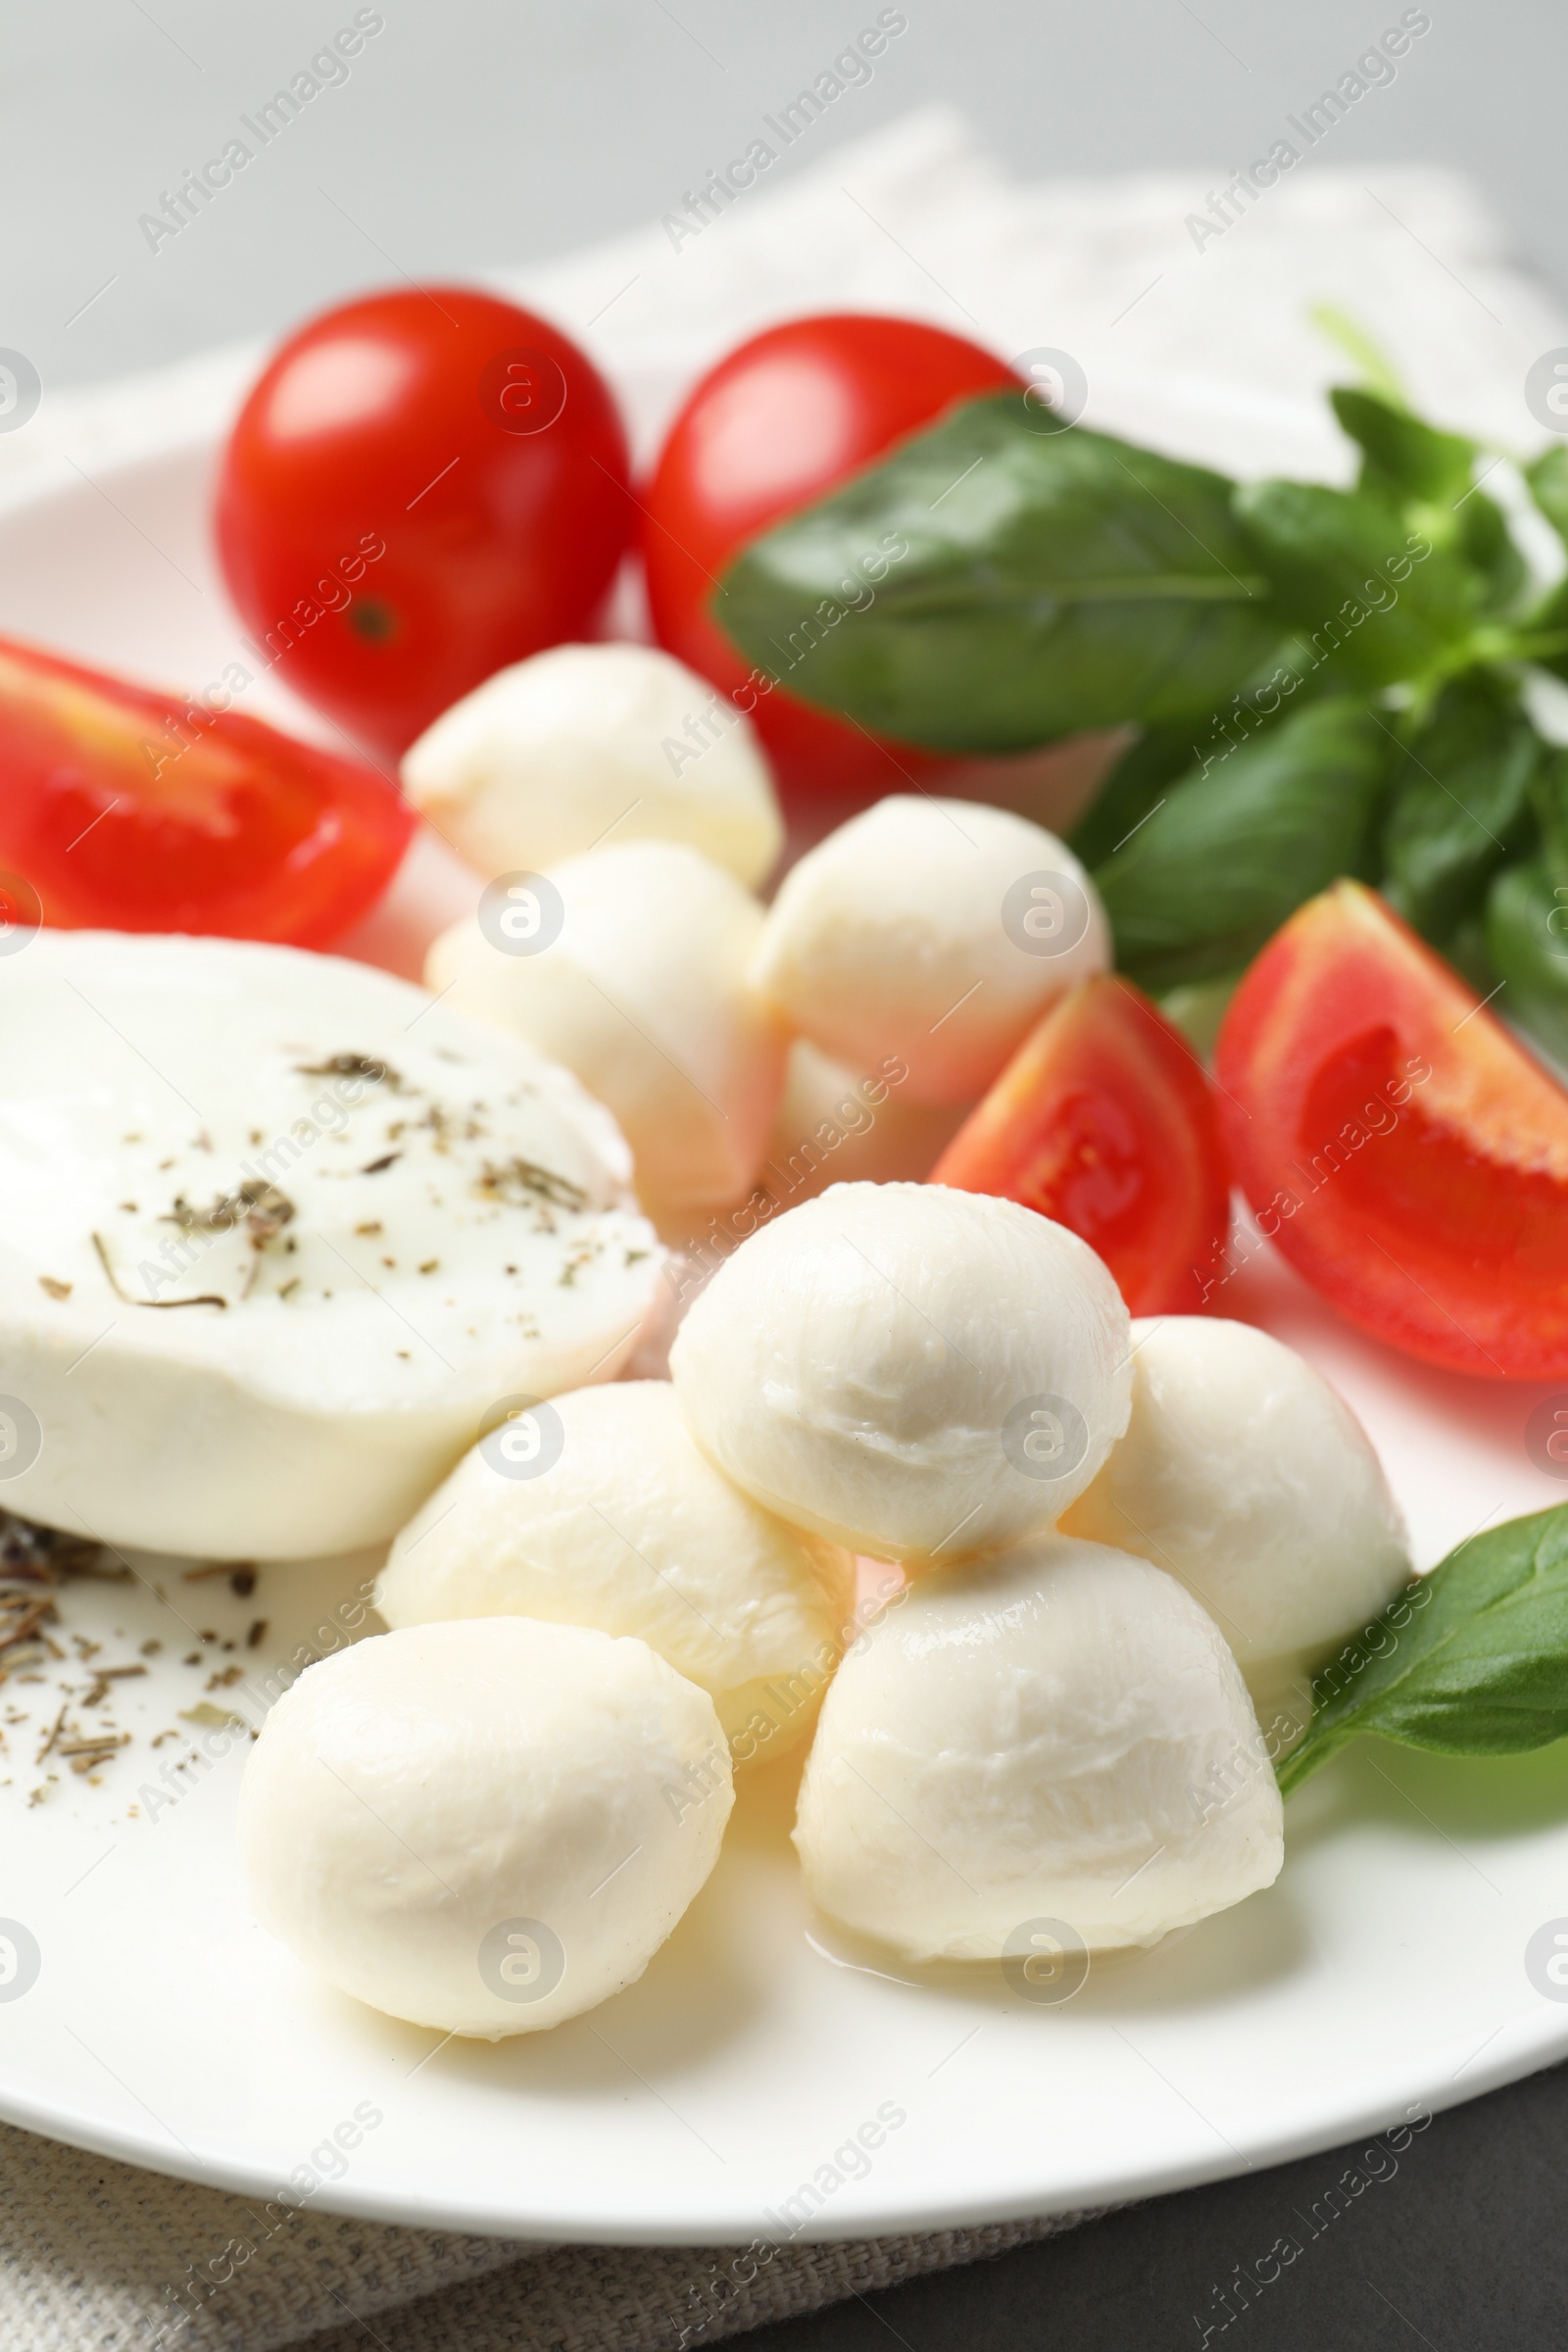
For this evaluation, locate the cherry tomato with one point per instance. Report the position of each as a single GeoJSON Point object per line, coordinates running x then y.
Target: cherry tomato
{"type": "Point", "coordinates": [1406, 1155]}
{"type": "Point", "coordinates": [783, 421]}
{"type": "Point", "coordinates": [1105, 1121]}
{"type": "Point", "coordinates": [423, 487]}
{"type": "Point", "coordinates": [130, 811]}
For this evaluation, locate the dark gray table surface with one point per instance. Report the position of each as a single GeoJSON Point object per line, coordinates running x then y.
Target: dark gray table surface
{"type": "Point", "coordinates": [1455, 2242]}
{"type": "Point", "coordinates": [496, 130]}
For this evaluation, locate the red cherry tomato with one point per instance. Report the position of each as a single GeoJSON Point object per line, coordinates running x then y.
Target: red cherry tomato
{"type": "Point", "coordinates": [423, 487]}
{"type": "Point", "coordinates": [1105, 1121]}
{"type": "Point", "coordinates": [782, 421]}
{"type": "Point", "coordinates": [1407, 1156]}
{"type": "Point", "coordinates": [130, 811]}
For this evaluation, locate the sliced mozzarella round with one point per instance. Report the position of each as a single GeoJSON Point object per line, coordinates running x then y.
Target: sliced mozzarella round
{"type": "Point", "coordinates": [932, 931]}
{"type": "Point", "coordinates": [1247, 1476]}
{"type": "Point", "coordinates": [539, 762]}
{"type": "Point", "coordinates": [282, 1235]}
{"type": "Point", "coordinates": [483, 1828]}
{"type": "Point", "coordinates": [911, 1371]}
{"type": "Point", "coordinates": [1048, 1753]}
{"type": "Point", "coordinates": [630, 967]}
{"type": "Point", "coordinates": [620, 1523]}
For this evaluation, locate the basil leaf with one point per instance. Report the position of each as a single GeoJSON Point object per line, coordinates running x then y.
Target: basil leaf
{"type": "Point", "coordinates": [1238, 847]}
{"type": "Point", "coordinates": [1461, 807]}
{"type": "Point", "coordinates": [1547, 479]}
{"type": "Point", "coordinates": [1001, 581]}
{"type": "Point", "coordinates": [1527, 946]}
{"type": "Point", "coordinates": [1546, 631]}
{"type": "Point", "coordinates": [1373, 595]}
{"type": "Point", "coordinates": [1471, 1660]}
{"type": "Point", "coordinates": [1548, 790]}
{"type": "Point", "coordinates": [1141, 779]}
{"type": "Point", "coordinates": [1401, 455]}
{"type": "Point", "coordinates": [1429, 476]}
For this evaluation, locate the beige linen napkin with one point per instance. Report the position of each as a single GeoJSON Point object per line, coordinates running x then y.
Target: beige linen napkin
{"type": "Point", "coordinates": [97, 2256]}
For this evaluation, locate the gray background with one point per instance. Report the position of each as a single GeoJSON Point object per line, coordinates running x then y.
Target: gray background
{"type": "Point", "coordinates": [492, 132]}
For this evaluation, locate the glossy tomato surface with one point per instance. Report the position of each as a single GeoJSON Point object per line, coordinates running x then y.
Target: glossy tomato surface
{"type": "Point", "coordinates": [784, 419]}
{"type": "Point", "coordinates": [126, 810]}
{"type": "Point", "coordinates": [1105, 1121]}
{"type": "Point", "coordinates": [1401, 1148]}
{"type": "Point", "coordinates": [423, 487]}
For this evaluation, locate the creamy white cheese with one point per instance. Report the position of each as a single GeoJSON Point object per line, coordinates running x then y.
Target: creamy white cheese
{"type": "Point", "coordinates": [485, 1828]}
{"type": "Point", "coordinates": [1243, 1473]}
{"type": "Point", "coordinates": [642, 992]}
{"type": "Point", "coordinates": [550, 756]}
{"type": "Point", "coordinates": [913, 1372]}
{"type": "Point", "coordinates": [630, 1529]}
{"type": "Point", "coordinates": [280, 1233]}
{"type": "Point", "coordinates": [933, 932]}
{"type": "Point", "coordinates": [1051, 1749]}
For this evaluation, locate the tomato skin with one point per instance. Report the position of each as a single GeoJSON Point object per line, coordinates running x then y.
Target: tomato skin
{"type": "Point", "coordinates": [785, 418]}
{"type": "Point", "coordinates": [132, 811]}
{"type": "Point", "coordinates": [1103, 1121]}
{"type": "Point", "coordinates": [1405, 1153]}
{"type": "Point", "coordinates": [392, 425]}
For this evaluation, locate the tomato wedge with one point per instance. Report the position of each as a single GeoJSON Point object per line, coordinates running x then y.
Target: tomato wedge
{"type": "Point", "coordinates": [1105, 1121]}
{"type": "Point", "coordinates": [1405, 1153]}
{"type": "Point", "coordinates": [132, 811]}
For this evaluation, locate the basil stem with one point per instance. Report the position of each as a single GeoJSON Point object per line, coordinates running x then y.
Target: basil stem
{"type": "Point", "coordinates": [1471, 1660]}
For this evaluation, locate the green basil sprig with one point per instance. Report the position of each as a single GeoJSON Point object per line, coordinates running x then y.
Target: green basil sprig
{"type": "Point", "coordinates": [1471, 1660]}
{"type": "Point", "coordinates": [1206, 878]}
{"type": "Point", "coordinates": [1001, 581]}
{"type": "Point", "coordinates": [1460, 804]}
{"type": "Point", "coordinates": [1430, 476]}
{"type": "Point", "coordinates": [1052, 581]}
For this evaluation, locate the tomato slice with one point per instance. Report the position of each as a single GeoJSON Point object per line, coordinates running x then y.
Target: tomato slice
{"type": "Point", "coordinates": [784, 419]}
{"type": "Point", "coordinates": [1404, 1153]}
{"type": "Point", "coordinates": [1105, 1121]}
{"type": "Point", "coordinates": [132, 811]}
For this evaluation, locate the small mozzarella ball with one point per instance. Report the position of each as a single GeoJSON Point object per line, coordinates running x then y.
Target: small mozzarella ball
{"type": "Point", "coordinates": [1055, 1737]}
{"type": "Point", "coordinates": [834, 1127]}
{"type": "Point", "coordinates": [541, 760]}
{"type": "Point", "coordinates": [935, 931]}
{"type": "Point", "coordinates": [1247, 1476]}
{"type": "Point", "coordinates": [483, 1828]}
{"type": "Point", "coordinates": [640, 989]}
{"type": "Point", "coordinates": [912, 1372]}
{"type": "Point", "coordinates": [620, 1522]}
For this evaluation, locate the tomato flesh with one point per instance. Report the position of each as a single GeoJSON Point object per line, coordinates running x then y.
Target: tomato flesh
{"type": "Point", "coordinates": [1105, 1122]}
{"type": "Point", "coordinates": [130, 810]}
{"type": "Point", "coordinates": [1401, 1147]}
{"type": "Point", "coordinates": [423, 487]}
{"type": "Point", "coordinates": [780, 423]}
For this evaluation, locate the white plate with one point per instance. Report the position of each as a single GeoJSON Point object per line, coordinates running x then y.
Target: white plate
{"type": "Point", "coordinates": [721, 2099]}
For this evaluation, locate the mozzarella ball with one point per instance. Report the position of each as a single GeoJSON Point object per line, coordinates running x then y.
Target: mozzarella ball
{"type": "Point", "coordinates": [542, 759]}
{"type": "Point", "coordinates": [1056, 1739]}
{"type": "Point", "coordinates": [629, 1528]}
{"type": "Point", "coordinates": [483, 1828]}
{"type": "Point", "coordinates": [913, 1372]}
{"type": "Point", "coordinates": [1247, 1476]}
{"type": "Point", "coordinates": [639, 987]}
{"type": "Point", "coordinates": [936, 931]}
{"type": "Point", "coordinates": [833, 1126]}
